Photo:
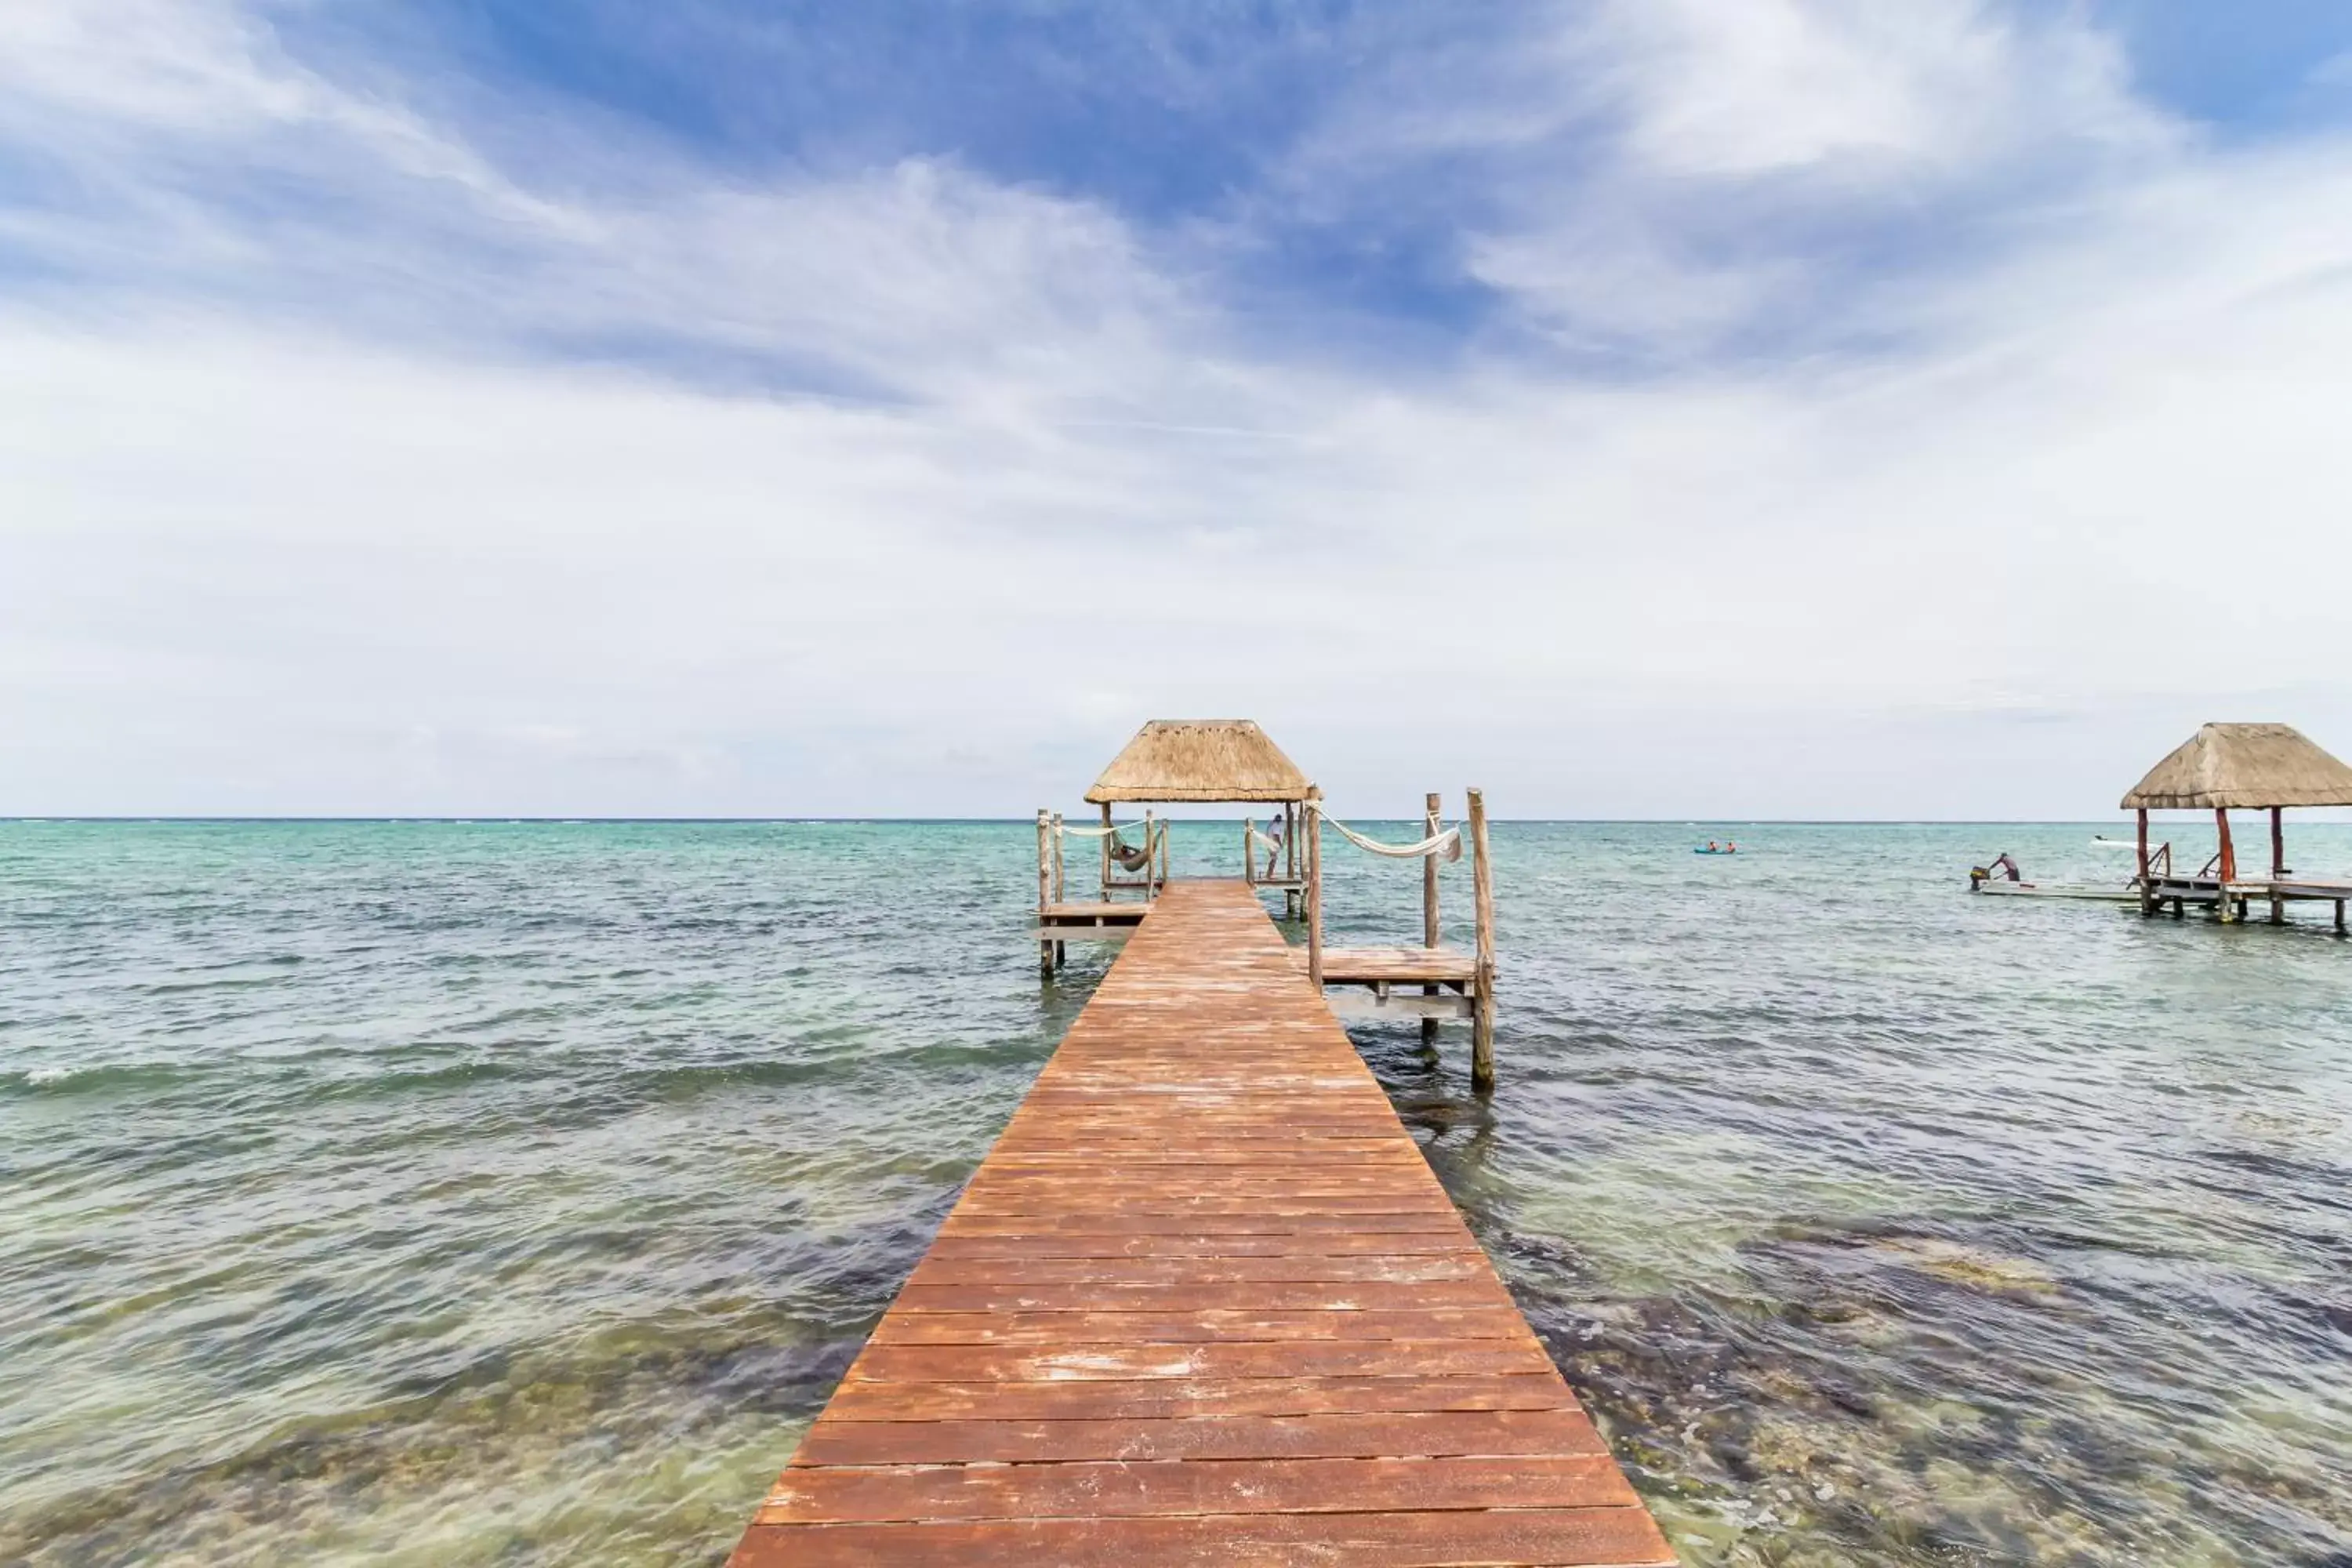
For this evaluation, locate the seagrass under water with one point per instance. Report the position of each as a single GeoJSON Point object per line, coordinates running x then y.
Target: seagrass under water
{"type": "Point", "coordinates": [512, 1192]}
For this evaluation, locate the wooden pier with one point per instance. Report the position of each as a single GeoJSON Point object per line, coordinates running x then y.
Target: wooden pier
{"type": "Point", "coordinates": [1204, 1303]}
{"type": "Point", "coordinates": [1232, 762]}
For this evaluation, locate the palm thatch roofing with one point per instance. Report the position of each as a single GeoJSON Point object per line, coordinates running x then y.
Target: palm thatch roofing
{"type": "Point", "coordinates": [2243, 766]}
{"type": "Point", "coordinates": [1199, 760]}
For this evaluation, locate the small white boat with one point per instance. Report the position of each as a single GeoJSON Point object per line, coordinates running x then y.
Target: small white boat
{"type": "Point", "coordinates": [2059, 891]}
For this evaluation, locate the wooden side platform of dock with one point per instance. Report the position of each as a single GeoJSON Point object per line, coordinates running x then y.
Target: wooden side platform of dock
{"type": "Point", "coordinates": [2232, 899]}
{"type": "Point", "coordinates": [1204, 1303]}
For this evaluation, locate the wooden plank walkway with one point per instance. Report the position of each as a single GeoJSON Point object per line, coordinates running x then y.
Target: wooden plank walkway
{"type": "Point", "coordinates": [1204, 1303]}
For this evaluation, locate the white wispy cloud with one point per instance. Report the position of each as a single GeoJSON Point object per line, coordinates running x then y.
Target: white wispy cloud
{"type": "Point", "coordinates": [538, 479]}
{"type": "Point", "coordinates": [1935, 88]}
{"type": "Point", "coordinates": [1659, 177]}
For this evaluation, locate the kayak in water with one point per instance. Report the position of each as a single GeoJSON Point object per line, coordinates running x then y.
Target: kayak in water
{"type": "Point", "coordinates": [1714, 848]}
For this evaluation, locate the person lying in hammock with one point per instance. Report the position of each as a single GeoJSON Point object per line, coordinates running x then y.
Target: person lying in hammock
{"type": "Point", "coordinates": [1130, 857]}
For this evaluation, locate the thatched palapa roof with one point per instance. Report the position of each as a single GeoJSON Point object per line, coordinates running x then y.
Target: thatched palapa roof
{"type": "Point", "coordinates": [1199, 760]}
{"type": "Point", "coordinates": [2243, 766]}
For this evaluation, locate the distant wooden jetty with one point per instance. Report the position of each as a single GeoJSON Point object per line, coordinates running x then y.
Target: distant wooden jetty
{"type": "Point", "coordinates": [1232, 762]}
{"type": "Point", "coordinates": [1204, 1303]}
{"type": "Point", "coordinates": [2227, 767]}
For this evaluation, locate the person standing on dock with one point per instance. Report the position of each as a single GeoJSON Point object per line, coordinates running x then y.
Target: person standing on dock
{"type": "Point", "coordinates": [1273, 844]}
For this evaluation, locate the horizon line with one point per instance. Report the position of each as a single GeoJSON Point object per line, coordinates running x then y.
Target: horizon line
{"type": "Point", "coordinates": [500, 819]}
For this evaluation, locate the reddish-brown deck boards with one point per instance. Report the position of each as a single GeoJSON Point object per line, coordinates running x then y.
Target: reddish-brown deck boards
{"type": "Point", "coordinates": [1204, 1303]}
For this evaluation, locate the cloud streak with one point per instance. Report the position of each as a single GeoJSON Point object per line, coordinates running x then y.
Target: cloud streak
{"type": "Point", "coordinates": [1840, 386]}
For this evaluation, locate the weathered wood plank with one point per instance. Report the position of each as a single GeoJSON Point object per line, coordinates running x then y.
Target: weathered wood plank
{"type": "Point", "coordinates": [1123, 1362]}
{"type": "Point", "coordinates": [1041, 1243]}
{"type": "Point", "coordinates": [1291, 1268]}
{"type": "Point", "coordinates": [1157, 1399]}
{"type": "Point", "coordinates": [1436, 1434]}
{"type": "Point", "coordinates": [1093, 1490]}
{"type": "Point", "coordinates": [1394, 1539]}
{"type": "Point", "coordinates": [1212, 1324]}
{"type": "Point", "coordinates": [1340, 1296]}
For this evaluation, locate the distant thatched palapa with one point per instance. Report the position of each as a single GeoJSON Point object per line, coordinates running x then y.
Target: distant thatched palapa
{"type": "Point", "coordinates": [1199, 760]}
{"type": "Point", "coordinates": [2243, 767]}
{"type": "Point", "coordinates": [2239, 767]}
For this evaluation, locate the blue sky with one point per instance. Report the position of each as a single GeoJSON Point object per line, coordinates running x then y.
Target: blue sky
{"type": "Point", "coordinates": [1806, 407]}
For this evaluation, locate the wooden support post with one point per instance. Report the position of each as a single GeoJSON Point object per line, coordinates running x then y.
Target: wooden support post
{"type": "Point", "coordinates": [1163, 856]}
{"type": "Point", "coordinates": [1105, 852]}
{"type": "Point", "coordinates": [1249, 850]}
{"type": "Point", "coordinates": [2229, 868]}
{"type": "Point", "coordinates": [1294, 902]}
{"type": "Point", "coordinates": [2340, 917]}
{"type": "Point", "coordinates": [2278, 865]}
{"type": "Point", "coordinates": [1061, 887]}
{"type": "Point", "coordinates": [1314, 818]}
{"type": "Point", "coordinates": [1481, 1025]}
{"type": "Point", "coordinates": [2147, 891]}
{"type": "Point", "coordinates": [1432, 805]}
{"type": "Point", "coordinates": [1151, 853]}
{"type": "Point", "coordinates": [1044, 945]}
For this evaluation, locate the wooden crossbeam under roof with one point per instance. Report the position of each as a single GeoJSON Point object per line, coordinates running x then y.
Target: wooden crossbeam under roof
{"type": "Point", "coordinates": [1199, 760]}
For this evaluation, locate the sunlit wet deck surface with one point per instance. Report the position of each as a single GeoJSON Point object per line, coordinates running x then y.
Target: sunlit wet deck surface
{"type": "Point", "coordinates": [1205, 1302]}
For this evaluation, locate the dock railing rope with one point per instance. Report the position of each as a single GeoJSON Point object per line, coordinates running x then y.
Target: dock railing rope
{"type": "Point", "coordinates": [1108, 830]}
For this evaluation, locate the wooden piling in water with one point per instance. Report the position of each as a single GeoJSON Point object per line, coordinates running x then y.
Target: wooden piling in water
{"type": "Point", "coordinates": [1482, 1023]}
{"type": "Point", "coordinates": [2278, 865]}
{"type": "Point", "coordinates": [1045, 899]}
{"type": "Point", "coordinates": [1314, 817]}
{"type": "Point", "coordinates": [2229, 868]}
{"type": "Point", "coordinates": [1432, 806]}
{"type": "Point", "coordinates": [2147, 887]}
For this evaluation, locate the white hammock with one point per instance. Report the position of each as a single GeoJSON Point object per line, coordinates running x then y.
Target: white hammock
{"type": "Point", "coordinates": [1112, 831]}
{"type": "Point", "coordinates": [1447, 844]}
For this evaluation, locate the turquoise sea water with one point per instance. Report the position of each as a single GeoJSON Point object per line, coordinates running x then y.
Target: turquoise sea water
{"type": "Point", "coordinates": [514, 1193]}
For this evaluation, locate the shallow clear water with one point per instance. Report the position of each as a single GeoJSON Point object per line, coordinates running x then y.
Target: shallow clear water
{"type": "Point", "coordinates": [456, 1193]}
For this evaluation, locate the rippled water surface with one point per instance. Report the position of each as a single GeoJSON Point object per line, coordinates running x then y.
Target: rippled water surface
{"type": "Point", "coordinates": [499, 1193]}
